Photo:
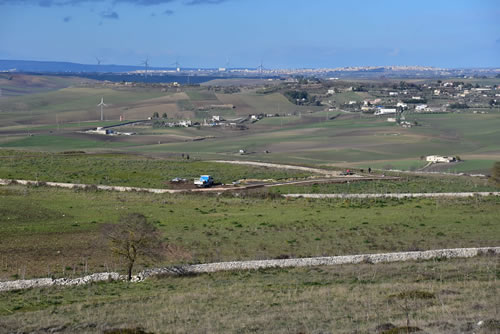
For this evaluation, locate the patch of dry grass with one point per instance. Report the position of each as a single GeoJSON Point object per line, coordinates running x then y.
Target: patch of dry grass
{"type": "Point", "coordinates": [340, 299]}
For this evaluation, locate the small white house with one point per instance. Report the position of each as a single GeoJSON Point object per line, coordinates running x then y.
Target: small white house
{"type": "Point", "coordinates": [331, 91]}
{"type": "Point", "coordinates": [402, 105]}
{"type": "Point", "coordinates": [421, 107]}
{"type": "Point", "coordinates": [393, 93]}
{"type": "Point", "coordinates": [391, 120]}
{"type": "Point", "coordinates": [385, 111]}
{"type": "Point", "coordinates": [186, 124]}
{"type": "Point", "coordinates": [440, 158]}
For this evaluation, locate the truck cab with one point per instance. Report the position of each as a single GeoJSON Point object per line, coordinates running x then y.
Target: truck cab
{"type": "Point", "coordinates": [204, 181]}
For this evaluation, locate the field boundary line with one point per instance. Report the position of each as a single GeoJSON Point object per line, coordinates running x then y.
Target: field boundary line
{"type": "Point", "coordinates": [396, 195]}
{"type": "Point", "coordinates": [256, 264]}
{"type": "Point", "coordinates": [5, 182]}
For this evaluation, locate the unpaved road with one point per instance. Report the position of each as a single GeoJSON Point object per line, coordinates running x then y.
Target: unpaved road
{"type": "Point", "coordinates": [271, 165]}
{"type": "Point", "coordinates": [231, 188]}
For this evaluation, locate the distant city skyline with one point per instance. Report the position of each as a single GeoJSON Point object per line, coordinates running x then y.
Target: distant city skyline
{"type": "Point", "coordinates": [240, 33]}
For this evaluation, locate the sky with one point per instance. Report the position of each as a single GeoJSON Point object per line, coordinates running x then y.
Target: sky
{"type": "Point", "coordinates": [244, 33]}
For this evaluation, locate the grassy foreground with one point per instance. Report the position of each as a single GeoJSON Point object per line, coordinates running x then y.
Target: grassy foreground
{"type": "Point", "coordinates": [47, 231]}
{"type": "Point", "coordinates": [440, 296]}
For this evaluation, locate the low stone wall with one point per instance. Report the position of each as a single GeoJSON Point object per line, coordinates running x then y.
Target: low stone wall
{"type": "Point", "coordinates": [320, 261]}
{"type": "Point", "coordinates": [86, 186]}
{"type": "Point", "coordinates": [252, 265]}
{"type": "Point", "coordinates": [45, 282]}
{"type": "Point", "coordinates": [124, 189]}
{"type": "Point", "coordinates": [398, 195]}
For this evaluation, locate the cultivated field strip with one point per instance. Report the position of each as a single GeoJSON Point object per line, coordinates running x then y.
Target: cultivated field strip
{"type": "Point", "coordinates": [259, 264]}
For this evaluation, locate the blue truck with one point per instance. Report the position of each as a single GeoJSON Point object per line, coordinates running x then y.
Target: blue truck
{"type": "Point", "coordinates": [204, 181]}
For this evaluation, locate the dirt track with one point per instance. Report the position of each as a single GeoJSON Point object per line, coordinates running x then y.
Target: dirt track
{"type": "Point", "coordinates": [271, 165]}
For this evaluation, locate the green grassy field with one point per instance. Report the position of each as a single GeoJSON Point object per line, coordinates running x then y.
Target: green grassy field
{"type": "Point", "coordinates": [407, 184]}
{"type": "Point", "coordinates": [126, 170]}
{"type": "Point", "coordinates": [56, 232]}
{"type": "Point", "coordinates": [60, 143]}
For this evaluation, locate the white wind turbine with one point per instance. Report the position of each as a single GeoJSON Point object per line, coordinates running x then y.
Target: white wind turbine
{"type": "Point", "coordinates": [102, 105]}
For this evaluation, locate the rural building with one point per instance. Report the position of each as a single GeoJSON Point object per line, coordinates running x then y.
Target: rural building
{"type": "Point", "coordinates": [186, 124]}
{"type": "Point", "coordinates": [385, 111]}
{"type": "Point", "coordinates": [421, 107]}
{"type": "Point", "coordinates": [439, 158]}
{"type": "Point", "coordinates": [402, 105]}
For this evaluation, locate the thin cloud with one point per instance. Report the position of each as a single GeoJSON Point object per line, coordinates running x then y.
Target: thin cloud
{"type": "Point", "coordinates": [168, 12]}
{"type": "Point", "coordinates": [67, 19]}
{"type": "Point", "coordinates": [62, 3]}
{"type": "Point", "coordinates": [203, 2]}
{"type": "Point", "coordinates": [144, 2]}
{"type": "Point", "coordinates": [47, 3]}
{"type": "Point", "coordinates": [110, 15]}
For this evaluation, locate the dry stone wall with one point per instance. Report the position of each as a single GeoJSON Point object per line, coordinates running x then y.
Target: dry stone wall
{"type": "Point", "coordinates": [395, 195]}
{"type": "Point", "coordinates": [252, 265]}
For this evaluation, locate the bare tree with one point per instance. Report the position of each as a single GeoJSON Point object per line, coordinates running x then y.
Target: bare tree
{"type": "Point", "coordinates": [495, 174]}
{"type": "Point", "coordinates": [132, 237]}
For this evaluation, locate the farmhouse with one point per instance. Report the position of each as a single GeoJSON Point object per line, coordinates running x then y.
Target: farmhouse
{"type": "Point", "coordinates": [439, 158]}
{"type": "Point", "coordinates": [402, 105]}
{"type": "Point", "coordinates": [421, 107]}
{"type": "Point", "coordinates": [385, 111]}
